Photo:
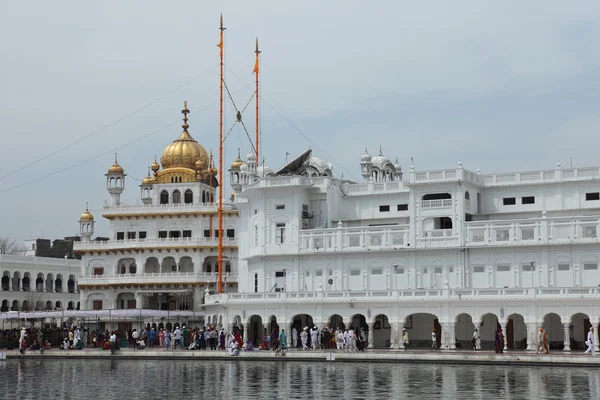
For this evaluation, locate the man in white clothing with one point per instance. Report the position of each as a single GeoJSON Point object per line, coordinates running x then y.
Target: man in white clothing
{"type": "Point", "coordinates": [314, 333]}
{"type": "Point", "coordinates": [347, 339]}
{"type": "Point", "coordinates": [294, 338]}
{"type": "Point", "coordinates": [304, 338]}
{"type": "Point", "coordinates": [339, 339]}
{"type": "Point", "coordinates": [590, 342]}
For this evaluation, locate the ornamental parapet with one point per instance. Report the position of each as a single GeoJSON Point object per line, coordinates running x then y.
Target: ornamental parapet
{"type": "Point", "coordinates": [156, 278]}
{"type": "Point", "coordinates": [107, 245]}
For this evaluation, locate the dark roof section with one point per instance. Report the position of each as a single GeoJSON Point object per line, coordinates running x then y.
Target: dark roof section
{"type": "Point", "coordinates": [295, 167]}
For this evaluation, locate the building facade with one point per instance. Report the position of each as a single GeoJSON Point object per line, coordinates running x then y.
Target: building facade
{"type": "Point", "coordinates": [38, 283]}
{"type": "Point", "coordinates": [161, 254]}
{"type": "Point", "coordinates": [451, 250]}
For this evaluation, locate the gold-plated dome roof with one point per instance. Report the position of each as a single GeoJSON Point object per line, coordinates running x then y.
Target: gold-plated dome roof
{"type": "Point", "coordinates": [149, 180]}
{"type": "Point", "coordinates": [86, 216]}
{"type": "Point", "coordinates": [184, 152]}
{"type": "Point", "coordinates": [238, 162]}
{"type": "Point", "coordinates": [115, 168]}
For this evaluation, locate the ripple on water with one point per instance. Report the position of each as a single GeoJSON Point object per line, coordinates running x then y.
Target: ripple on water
{"type": "Point", "coordinates": [189, 379]}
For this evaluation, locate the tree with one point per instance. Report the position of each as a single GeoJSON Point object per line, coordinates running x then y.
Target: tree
{"type": "Point", "coordinates": [8, 246]}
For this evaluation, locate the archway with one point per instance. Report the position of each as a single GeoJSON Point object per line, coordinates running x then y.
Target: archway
{"type": "Point", "coordinates": [164, 197]}
{"type": "Point", "coordinates": [463, 331]}
{"type": "Point", "coordinates": [168, 265]}
{"type": "Point", "coordinates": [58, 305]}
{"type": "Point", "coordinates": [578, 329]}
{"type": "Point", "coordinates": [4, 307]}
{"type": "Point", "coordinates": [488, 327]}
{"type": "Point", "coordinates": [237, 325]}
{"type": "Point", "coordinates": [49, 283]}
{"type": "Point", "coordinates": [58, 283]}
{"type": "Point", "coordinates": [70, 305]}
{"type": "Point", "coordinates": [359, 321]}
{"type": "Point", "coordinates": [336, 321]}
{"type": "Point", "coordinates": [186, 264]}
{"type": "Point", "coordinates": [516, 332]}
{"type": "Point", "coordinates": [382, 332]}
{"type": "Point", "coordinates": [15, 306]}
{"type": "Point", "coordinates": [152, 266]}
{"type": "Point", "coordinates": [188, 197]}
{"type": "Point", "coordinates": [255, 329]}
{"type": "Point", "coordinates": [419, 327]}
{"type": "Point", "coordinates": [6, 280]}
{"type": "Point", "coordinates": [299, 322]}
{"type": "Point", "coordinates": [26, 282]}
{"type": "Point", "coordinates": [16, 281]}
{"type": "Point", "coordinates": [554, 328]}
{"type": "Point", "coordinates": [71, 284]}
{"type": "Point", "coordinates": [273, 328]}
{"type": "Point", "coordinates": [26, 306]}
{"type": "Point", "coordinates": [39, 282]}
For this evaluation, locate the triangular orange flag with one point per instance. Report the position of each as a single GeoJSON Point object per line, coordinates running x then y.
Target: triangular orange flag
{"type": "Point", "coordinates": [255, 71]}
{"type": "Point", "coordinates": [220, 45]}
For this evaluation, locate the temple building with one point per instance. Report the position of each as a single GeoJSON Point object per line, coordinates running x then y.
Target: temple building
{"type": "Point", "coordinates": [447, 250]}
{"type": "Point", "coordinates": [161, 254]}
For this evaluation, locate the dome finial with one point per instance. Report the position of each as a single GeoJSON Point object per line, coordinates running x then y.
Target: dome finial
{"type": "Point", "coordinates": [380, 151]}
{"type": "Point", "coordinates": [86, 206]}
{"type": "Point", "coordinates": [185, 112]}
{"type": "Point", "coordinates": [116, 162]}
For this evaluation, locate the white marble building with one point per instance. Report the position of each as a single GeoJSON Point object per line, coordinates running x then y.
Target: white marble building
{"type": "Point", "coordinates": [449, 250]}
{"type": "Point", "coordinates": [38, 283]}
{"type": "Point", "coordinates": [161, 254]}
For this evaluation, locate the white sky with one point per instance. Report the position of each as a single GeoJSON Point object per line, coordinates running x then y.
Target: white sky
{"type": "Point", "coordinates": [503, 87]}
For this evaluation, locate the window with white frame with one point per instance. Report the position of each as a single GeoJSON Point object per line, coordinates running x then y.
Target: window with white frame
{"type": "Point", "coordinates": [377, 271]}
{"type": "Point", "coordinates": [564, 267]}
{"type": "Point", "coordinates": [280, 233]}
{"type": "Point", "coordinates": [354, 272]}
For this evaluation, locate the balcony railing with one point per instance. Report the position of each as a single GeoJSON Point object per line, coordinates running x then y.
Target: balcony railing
{"type": "Point", "coordinates": [155, 242]}
{"type": "Point", "coordinates": [532, 231]}
{"type": "Point", "coordinates": [353, 239]}
{"type": "Point", "coordinates": [158, 277]}
{"type": "Point", "coordinates": [384, 296]}
{"type": "Point", "coordinates": [447, 203]}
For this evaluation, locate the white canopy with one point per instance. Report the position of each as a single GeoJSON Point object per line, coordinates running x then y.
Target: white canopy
{"type": "Point", "coordinates": [133, 313]}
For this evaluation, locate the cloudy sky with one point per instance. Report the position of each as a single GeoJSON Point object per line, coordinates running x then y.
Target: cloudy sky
{"type": "Point", "coordinates": [503, 87]}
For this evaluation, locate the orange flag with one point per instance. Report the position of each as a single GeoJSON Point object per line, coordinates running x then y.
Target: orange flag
{"type": "Point", "coordinates": [220, 45]}
{"type": "Point", "coordinates": [255, 71]}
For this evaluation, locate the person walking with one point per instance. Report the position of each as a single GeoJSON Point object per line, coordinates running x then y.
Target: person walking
{"type": "Point", "coordinates": [405, 338]}
{"type": "Point", "coordinates": [304, 338]}
{"type": "Point", "coordinates": [113, 342]}
{"type": "Point", "coordinates": [433, 340]}
{"type": "Point", "coordinates": [590, 342]}
{"type": "Point", "coordinates": [540, 341]}
{"type": "Point", "coordinates": [166, 339]}
{"type": "Point", "coordinates": [134, 336]}
{"type": "Point", "coordinates": [476, 340]}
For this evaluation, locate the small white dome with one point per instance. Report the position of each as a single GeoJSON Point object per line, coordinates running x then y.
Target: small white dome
{"type": "Point", "coordinates": [366, 157]}
{"type": "Point", "coordinates": [251, 157]}
{"type": "Point", "coordinates": [244, 167]}
{"type": "Point", "coordinates": [380, 161]}
{"type": "Point", "coordinates": [397, 166]}
{"type": "Point", "coordinates": [264, 170]}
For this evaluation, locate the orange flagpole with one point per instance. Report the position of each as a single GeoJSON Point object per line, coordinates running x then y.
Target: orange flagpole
{"type": "Point", "coordinates": [220, 208]}
{"type": "Point", "coordinates": [257, 52]}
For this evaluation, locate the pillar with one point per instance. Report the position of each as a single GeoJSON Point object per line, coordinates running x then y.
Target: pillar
{"type": "Point", "coordinates": [532, 328]}
{"type": "Point", "coordinates": [452, 335]}
{"type": "Point", "coordinates": [393, 335]}
{"type": "Point", "coordinates": [445, 336]}
{"type": "Point", "coordinates": [371, 335]}
{"type": "Point", "coordinates": [398, 338]}
{"type": "Point", "coordinates": [503, 326]}
{"type": "Point", "coordinates": [567, 339]}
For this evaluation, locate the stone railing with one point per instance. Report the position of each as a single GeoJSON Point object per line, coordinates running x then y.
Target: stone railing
{"type": "Point", "coordinates": [155, 242]}
{"type": "Point", "coordinates": [591, 293]}
{"type": "Point", "coordinates": [557, 175]}
{"type": "Point", "coordinates": [425, 204]}
{"type": "Point", "coordinates": [532, 231]}
{"type": "Point", "coordinates": [353, 239]}
{"type": "Point", "coordinates": [158, 277]}
{"type": "Point", "coordinates": [164, 208]}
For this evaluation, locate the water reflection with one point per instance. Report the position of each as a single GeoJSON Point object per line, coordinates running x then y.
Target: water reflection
{"type": "Point", "coordinates": [128, 379]}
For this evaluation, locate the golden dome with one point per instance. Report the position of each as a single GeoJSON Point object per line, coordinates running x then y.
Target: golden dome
{"type": "Point", "coordinates": [214, 171]}
{"type": "Point", "coordinates": [86, 216]}
{"type": "Point", "coordinates": [184, 152]}
{"type": "Point", "coordinates": [115, 168]}
{"type": "Point", "coordinates": [155, 167]}
{"type": "Point", "coordinates": [149, 180]}
{"type": "Point", "coordinates": [238, 162]}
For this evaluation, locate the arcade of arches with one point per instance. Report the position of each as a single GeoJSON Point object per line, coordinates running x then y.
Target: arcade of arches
{"type": "Point", "coordinates": [564, 333]}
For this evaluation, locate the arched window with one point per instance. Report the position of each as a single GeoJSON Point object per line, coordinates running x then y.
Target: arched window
{"type": "Point", "coordinates": [228, 267]}
{"type": "Point", "coordinates": [164, 197]}
{"type": "Point", "coordinates": [188, 197]}
{"type": "Point", "coordinates": [176, 197]}
{"type": "Point", "coordinates": [467, 196]}
{"type": "Point", "coordinates": [203, 196]}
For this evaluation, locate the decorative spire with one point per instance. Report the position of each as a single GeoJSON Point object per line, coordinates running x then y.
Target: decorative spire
{"type": "Point", "coordinates": [239, 154]}
{"type": "Point", "coordinates": [86, 207]}
{"type": "Point", "coordinates": [257, 51]}
{"type": "Point", "coordinates": [211, 158]}
{"type": "Point", "coordinates": [380, 151]}
{"type": "Point", "coordinates": [116, 162]}
{"type": "Point", "coordinates": [185, 112]}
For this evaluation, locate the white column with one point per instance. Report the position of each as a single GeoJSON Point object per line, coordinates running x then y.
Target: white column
{"type": "Point", "coordinates": [532, 328]}
{"type": "Point", "coordinates": [596, 334]}
{"type": "Point", "coordinates": [371, 334]}
{"type": "Point", "coordinates": [452, 335]}
{"type": "Point", "coordinates": [398, 338]}
{"type": "Point", "coordinates": [567, 339]}
{"type": "Point", "coordinates": [393, 333]}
